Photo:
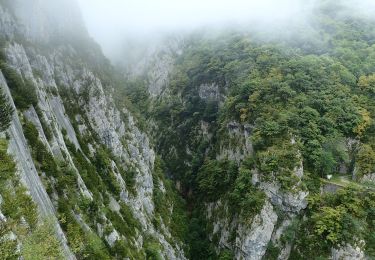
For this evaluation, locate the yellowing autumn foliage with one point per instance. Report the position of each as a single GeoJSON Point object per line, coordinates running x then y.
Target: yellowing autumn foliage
{"type": "Point", "coordinates": [365, 123]}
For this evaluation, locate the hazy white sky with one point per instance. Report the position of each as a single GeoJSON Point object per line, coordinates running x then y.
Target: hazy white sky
{"type": "Point", "coordinates": [145, 15]}
{"type": "Point", "coordinates": [110, 21]}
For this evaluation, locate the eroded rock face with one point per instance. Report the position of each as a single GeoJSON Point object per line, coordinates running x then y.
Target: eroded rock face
{"type": "Point", "coordinates": [32, 116]}
{"type": "Point", "coordinates": [209, 92]}
{"type": "Point", "coordinates": [251, 237]}
{"type": "Point", "coordinates": [368, 178]}
{"type": "Point", "coordinates": [289, 201]}
{"type": "Point", "coordinates": [285, 248]}
{"type": "Point", "coordinates": [47, 21]}
{"type": "Point", "coordinates": [347, 252]}
{"type": "Point", "coordinates": [237, 146]}
{"type": "Point", "coordinates": [18, 147]}
{"type": "Point", "coordinates": [223, 227]}
{"type": "Point", "coordinates": [156, 63]}
{"type": "Point", "coordinates": [252, 242]}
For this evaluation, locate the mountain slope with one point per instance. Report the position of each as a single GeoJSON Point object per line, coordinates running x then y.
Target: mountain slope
{"type": "Point", "coordinates": [251, 126]}
{"type": "Point", "coordinates": [87, 166]}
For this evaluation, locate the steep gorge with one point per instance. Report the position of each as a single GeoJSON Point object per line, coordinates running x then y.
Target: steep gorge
{"type": "Point", "coordinates": [212, 146]}
{"type": "Point", "coordinates": [85, 162]}
{"type": "Point", "coordinates": [250, 127]}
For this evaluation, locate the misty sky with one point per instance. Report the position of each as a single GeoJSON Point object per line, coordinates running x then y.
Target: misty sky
{"type": "Point", "coordinates": [148, 15]}
{"type": "Point", "coordinates": [111, 22]}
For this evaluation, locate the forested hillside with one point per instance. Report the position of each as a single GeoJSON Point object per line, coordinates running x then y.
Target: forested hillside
{"type": "Point", "coordinates": [250, 126]}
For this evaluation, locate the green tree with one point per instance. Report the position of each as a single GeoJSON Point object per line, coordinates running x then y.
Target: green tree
{"type": "Point", "coordinates": [42, 244]}
{"type": "Point", "coordinates": [23, 90]}
{"type": "Point", "coordinates": [8, 247]}
{"type": "Point", "coordinates": [245, 196]}
{"type": "Point", "coordinates": [6, 112]}
{"type": "Point", "coordinates": [365, 160]}
{"type": "Point", "coordinates": [367, 83]}
{"type": "Point", "coordinates": [328, 223]}
{"type": "Point", "coordinates": [216, 177]}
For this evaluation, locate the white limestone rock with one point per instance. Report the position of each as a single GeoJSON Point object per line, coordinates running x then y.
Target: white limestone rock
{"type": "Point", "coordinates": [368, 178]}
{"type": "Point", "coordinates": [240, 145]}
{"type": "Point", "coordinates": [289, 201]}
{"type": "Point", "coordinates": [252, 242]}
{"type": "Point", "coordinates": [112, 238]}
{"type": "Point", "coordinates": [209, 92]}
{"type": "Point", "coordinates": [347, 252]}
{"type": "Point", "coordinates": [251, 236]}
{"type": "Point", "coordinates": [19, 149]}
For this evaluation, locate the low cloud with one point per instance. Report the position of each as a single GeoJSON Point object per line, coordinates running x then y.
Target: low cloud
{"type": "Point", "coordinates": [113, 22]}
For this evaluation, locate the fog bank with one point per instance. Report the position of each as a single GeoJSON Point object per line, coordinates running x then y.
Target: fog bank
{"type": "Point", "coordinates": [113, 22]}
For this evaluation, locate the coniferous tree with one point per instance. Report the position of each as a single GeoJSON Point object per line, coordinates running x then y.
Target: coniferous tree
{"type": "Point", "coordinates": [6, 112]}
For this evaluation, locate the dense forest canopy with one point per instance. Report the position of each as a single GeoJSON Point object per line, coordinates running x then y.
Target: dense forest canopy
{"type": "Point", "coordinates": [312, 85]}
{"type": "Point", "coordinates": [317, 89]}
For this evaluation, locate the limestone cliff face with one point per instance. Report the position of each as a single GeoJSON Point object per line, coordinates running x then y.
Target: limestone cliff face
{"type": "Point", "coordinates": [347, 252]}
{"type": "Point", "coordinates": [19, 149]}
{"type": "Point", "coordinates": [155, 64]}
{"type": "Point", "coordinates": [238, 144]}
{"type": "Point", "coordinates": [48, 21]}
{"type": "Point", "coordinates": [249, 239]}
{"type": "Point", "coordinates": [57, 70]}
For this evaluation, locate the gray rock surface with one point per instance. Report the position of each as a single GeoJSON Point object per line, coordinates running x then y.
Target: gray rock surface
{"type": "Point", "coordinates": [368, 178]}
{"type": "Point", "coordinates": [347, 252]}
{"type": "Point", "coordinates": [19, 149]}
{"type": "Point", "coordinates": [251, 236]}
{"type": "Point", "coordinates": [209, 92]}
{"type": "Point", "coordinates": [47, 20]}
{"type": "Point", "coordinates": [252, 242]}
{"type": "Point", "coordinates": [8, 26]}
{"type": "Point", "coordinates": [288, 201]}
{"type": "Point", "coordinates": [156, 64]}
{"type": "Point", "coordinates": [238, 145]}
